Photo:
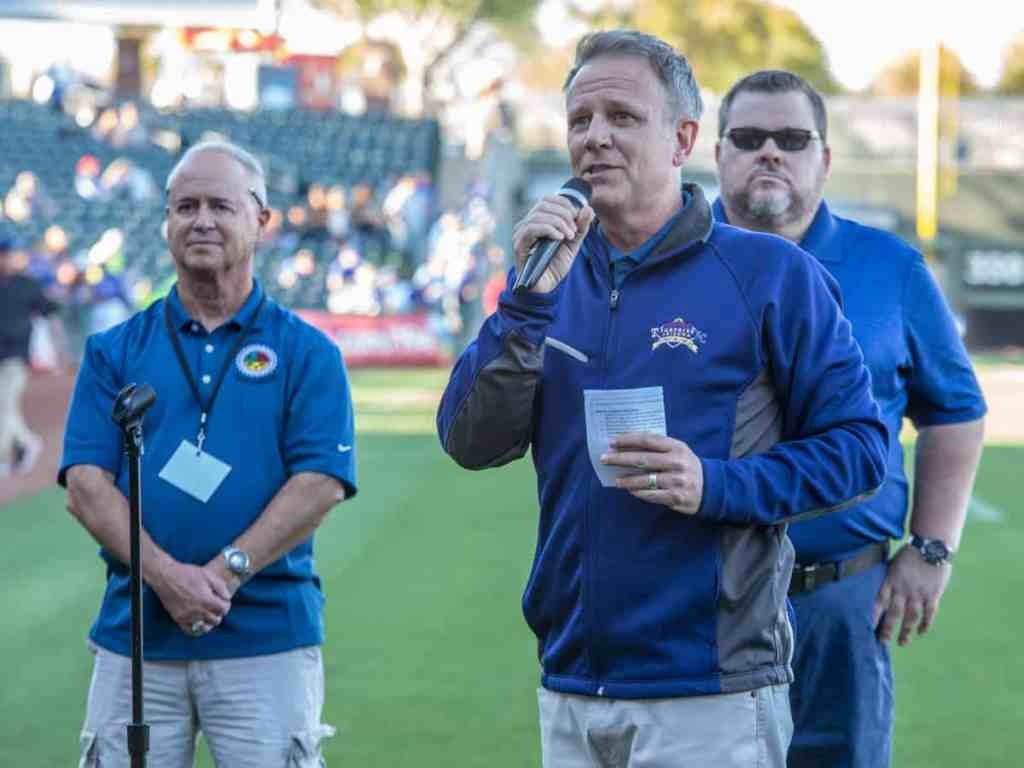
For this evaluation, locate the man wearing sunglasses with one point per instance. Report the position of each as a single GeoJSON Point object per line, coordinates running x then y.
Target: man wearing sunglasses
{"type": "Point", "coordinates": [773, 160]}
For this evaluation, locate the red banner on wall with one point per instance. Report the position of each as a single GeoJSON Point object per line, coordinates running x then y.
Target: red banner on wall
{"type": "Point", "coordinates": [318, 80]}
{"type": "Point", "coordinates": [394, 340]}
{"type": "Point", "coordinates": [223, 39]}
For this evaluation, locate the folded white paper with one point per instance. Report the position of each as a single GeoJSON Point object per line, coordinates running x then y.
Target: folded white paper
{"type": "Point", "coordinates": [612, 412]}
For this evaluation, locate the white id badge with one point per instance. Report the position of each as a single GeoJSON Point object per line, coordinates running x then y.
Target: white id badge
{"type": "Point", "coordinates": [196, 473]}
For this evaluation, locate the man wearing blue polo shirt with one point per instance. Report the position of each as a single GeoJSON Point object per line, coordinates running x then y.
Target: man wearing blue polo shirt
{"type": "Point", "coordinates": [773, 159]}
{"type": "Point", "coordinates": [248, 446]}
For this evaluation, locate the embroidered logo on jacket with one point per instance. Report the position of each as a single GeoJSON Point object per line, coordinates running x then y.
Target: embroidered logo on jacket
{"type": "Point", "coordinates": [256, 361]}
{"type": "Point", "coordinates": [678, 333]}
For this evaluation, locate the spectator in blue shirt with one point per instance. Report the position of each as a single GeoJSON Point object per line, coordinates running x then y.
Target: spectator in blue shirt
{"type": "Point", "coordinates": [249, 445]}
{"type": "Point", "coordinates": [850, 600]}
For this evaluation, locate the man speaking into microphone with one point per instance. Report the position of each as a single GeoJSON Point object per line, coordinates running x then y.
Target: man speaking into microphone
{"type": "Point", "coordinates": [686, 388]}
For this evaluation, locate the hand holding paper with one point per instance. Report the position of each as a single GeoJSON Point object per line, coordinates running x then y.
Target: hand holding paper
{"type": "Point", "coordinates": [611, 412]}
{"type": "Point", "coordinates": [664, 470]}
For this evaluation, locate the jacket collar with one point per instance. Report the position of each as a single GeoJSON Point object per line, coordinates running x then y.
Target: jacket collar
{"type": "Point", "coordinates": [693, 226]}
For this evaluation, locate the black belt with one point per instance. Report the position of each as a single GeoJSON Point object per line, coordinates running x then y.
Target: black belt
{"type": "Point", "coordinates": [807, 578]}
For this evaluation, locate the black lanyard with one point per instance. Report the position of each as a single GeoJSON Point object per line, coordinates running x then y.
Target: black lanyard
{"type": "Point", "coordinates": [205, 408]}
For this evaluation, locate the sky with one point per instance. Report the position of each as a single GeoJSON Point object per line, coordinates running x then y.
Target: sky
{"type": "Point", "coordinates": [863, 37]}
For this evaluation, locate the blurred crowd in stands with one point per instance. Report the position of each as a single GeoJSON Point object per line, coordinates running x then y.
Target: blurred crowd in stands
{"type": "Point", "coordinates": [82, 200]}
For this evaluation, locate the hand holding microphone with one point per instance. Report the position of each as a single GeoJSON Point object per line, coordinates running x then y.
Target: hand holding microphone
{"type": "Point", "coordinates": [547, 239]}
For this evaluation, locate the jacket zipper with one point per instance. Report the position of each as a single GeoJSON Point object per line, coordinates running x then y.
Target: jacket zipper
{"type": "Point", "coordinates": [614, 299]}
{"type": "Point", "coordinates": [613, 304]}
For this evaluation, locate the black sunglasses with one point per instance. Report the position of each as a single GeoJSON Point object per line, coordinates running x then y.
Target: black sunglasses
{"type": "Point", "coordinates": [256, 198]}
{"type": "Point", "coordinates": [786, 139]}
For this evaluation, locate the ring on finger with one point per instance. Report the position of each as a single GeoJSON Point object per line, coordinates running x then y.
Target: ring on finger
{"type": "Point", "coordinates": [199, 627]}
{"type": "Point", "coordinates": [652, 481]}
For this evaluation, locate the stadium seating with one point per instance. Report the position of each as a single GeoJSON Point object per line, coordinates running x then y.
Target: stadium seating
{"type": "Point", "coordinates": [298, 148]}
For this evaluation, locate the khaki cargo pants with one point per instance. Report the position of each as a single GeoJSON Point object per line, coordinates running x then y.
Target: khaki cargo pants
{"type": "Point", "coordinates": [736, 730]}
{"type": "Point", "coordinates": [255, 712]}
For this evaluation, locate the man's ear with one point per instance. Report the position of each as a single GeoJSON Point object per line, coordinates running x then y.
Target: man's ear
{"type": "Point", "coordinates": [686, 137]}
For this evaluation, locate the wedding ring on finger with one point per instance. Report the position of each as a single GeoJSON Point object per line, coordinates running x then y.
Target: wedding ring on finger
{"type": "Point", "coordinates": [652, 481]}
{"type": "Point", "coordinates": [199, 627]}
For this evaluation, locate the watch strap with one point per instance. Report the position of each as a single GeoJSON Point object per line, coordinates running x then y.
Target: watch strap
{"type": "Point", "coordinates": [934, 551]}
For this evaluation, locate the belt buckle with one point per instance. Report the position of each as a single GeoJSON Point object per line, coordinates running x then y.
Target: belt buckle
{"type": "Point", "coordinates": [808, 577]}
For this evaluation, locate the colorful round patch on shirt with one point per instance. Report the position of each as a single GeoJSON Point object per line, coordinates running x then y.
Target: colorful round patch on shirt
{"type": "Point", "coordinates": [256, 361]}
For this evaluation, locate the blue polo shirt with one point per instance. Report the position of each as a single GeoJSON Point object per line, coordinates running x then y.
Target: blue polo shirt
{"type": "Point", "coordinates": [623, 262]}
{"type": "Point", "coordinates": [284, 407]}
{"type": "Point", "coordinates": [919, 367]}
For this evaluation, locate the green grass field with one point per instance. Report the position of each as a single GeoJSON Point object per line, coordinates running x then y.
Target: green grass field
{"type": "Point", "coordinates": [429, 662]}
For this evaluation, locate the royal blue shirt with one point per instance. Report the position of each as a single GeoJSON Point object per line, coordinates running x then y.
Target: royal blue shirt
{"type": "Point", "coordinates": [284, 407]}
{"type": "Point", "coordinates": [919, 367]}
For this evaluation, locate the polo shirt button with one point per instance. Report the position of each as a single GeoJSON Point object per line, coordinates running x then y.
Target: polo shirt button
{"type": "Point", "coordinates": [209, 347]}
{"type": "Point", "coordinates": [195, 327]}
{"type": "Point", "coordinates": [206, 378]}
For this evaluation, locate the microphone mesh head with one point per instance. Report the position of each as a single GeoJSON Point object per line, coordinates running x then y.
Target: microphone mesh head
{"type": "Point", "coordinates": [575, 189]}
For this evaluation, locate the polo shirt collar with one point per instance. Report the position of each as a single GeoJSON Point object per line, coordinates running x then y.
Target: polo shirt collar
{"type": "Point", "coordinates": [819, 239]}
{"type": "Point", "coordinates": [690, 226]}
{"type": "Point", "coordinates": [182, 320]}
{"type": "Point", "coordinates": [638, 254]}
{"type": "Point", "coordinates": [718, 211]}
{"type": "Point", "coordinates": [623, 262]}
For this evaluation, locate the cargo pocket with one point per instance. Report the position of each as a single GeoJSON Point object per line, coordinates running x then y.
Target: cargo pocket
{"type": "Point", "coordinates": [305, 747]}
{"type": "Point", "coordinates": [89, 750]}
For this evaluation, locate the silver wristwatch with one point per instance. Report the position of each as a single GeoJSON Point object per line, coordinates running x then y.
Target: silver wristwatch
{"type": "Point", "coordinates": [238, 562]}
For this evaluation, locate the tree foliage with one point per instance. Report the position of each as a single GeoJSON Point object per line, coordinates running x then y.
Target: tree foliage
{"type": "Point", "coordinates": [727, 39]}
{"type": "Point", "coordinates": [546, 71]}
{"type": "Point", "coordinates": [460, 10]}
{"type": "Point", "coordinates": [444, 24]}
{"type": "Point", "coordinates": [901, 77]}
{"type": "Point", "coordinates": [1011, 80]}
{"type": "Point", "coordinates": [463, 14]}
{"type": "Point", "coordinates": [723, 39]}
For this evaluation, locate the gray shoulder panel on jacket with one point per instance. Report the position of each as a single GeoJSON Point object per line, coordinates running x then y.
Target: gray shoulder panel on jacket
{"type": "Point", "coordinates": [494, 425]}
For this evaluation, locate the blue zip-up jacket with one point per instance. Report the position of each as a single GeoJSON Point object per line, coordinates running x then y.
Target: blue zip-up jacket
{"type": "Point", "coordinates": [761, 378]}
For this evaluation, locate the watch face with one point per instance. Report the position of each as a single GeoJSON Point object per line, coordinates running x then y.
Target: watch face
{"type": "Point", "coordinates": [238, 562]}
{"type": "Point", "coordinates": [935, 551]}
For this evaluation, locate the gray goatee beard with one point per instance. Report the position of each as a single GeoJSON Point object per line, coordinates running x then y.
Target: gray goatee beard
{"type": "Point", "coordinates": [768, 211]}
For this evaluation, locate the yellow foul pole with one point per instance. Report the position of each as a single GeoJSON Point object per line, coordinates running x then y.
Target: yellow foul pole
{"type": "Point", "coordinates": [928, 145]}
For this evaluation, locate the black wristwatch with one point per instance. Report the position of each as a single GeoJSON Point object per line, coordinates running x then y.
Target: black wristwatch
{"type": "Point", "coordinates": [934, 551]}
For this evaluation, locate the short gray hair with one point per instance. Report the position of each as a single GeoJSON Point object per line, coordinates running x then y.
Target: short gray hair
{"type": "Point", "coordinates": [244, 158]}
{"type": "Point", "coordinates": [775, 81]}
{"type": "Point", "coordinates": [671, 67]}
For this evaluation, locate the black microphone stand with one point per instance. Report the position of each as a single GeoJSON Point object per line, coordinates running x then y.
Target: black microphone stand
{"type": "Point", "coordinates": [129, 408]}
